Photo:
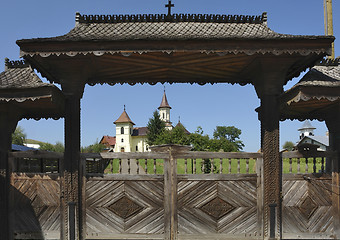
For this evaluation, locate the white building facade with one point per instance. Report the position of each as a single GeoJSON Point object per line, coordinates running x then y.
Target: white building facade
{"type": "Point", "coordinates": [134, 139]}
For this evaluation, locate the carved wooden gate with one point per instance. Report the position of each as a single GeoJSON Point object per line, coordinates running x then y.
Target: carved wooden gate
{"type": "Point", "coordinates": [175, 205]}
{"type": "Point", "coordinates": [35, 200]}
{"type": "Point", "coordinates": [307, 207]}
{"type": "Point", "coordinates": [153, 198]}
{"type": "Point", "coordinates": [125, 208]}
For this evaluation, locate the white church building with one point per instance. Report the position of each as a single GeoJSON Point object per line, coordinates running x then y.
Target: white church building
{"type": "Point", "coordinates": [307, 136]}
{"type": "Point", "coordinates": [133, 139]}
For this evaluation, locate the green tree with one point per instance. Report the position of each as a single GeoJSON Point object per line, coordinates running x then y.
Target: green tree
{"type": "Point", "coordinates": [231, 134]}
{"type": "Point", "coordinates": [19, 136]}
{"type": "Point", "coordinates": [198, 141]}
{"type": "Point", "coordinates": [58, 147]}
{"type": "Point", "coordinates": [93, 148]}
{"type": "Point", "coordinates": [156, 128]}
{"type": "Point", "coordinates": [288, 145]}
{"type": "Point", "coordinates": [177, 135]}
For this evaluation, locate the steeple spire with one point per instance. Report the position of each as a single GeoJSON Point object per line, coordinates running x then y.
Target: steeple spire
{"type": "Point", "coordinates": [164, 103]}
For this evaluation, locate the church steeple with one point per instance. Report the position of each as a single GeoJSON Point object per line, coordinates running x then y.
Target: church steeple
{"type": "Point", "coordinates": [164, 103]}
{"type": "Point", "coordinates": [164, 111]}
{"type": "Point", "coordinates": [306, 130]}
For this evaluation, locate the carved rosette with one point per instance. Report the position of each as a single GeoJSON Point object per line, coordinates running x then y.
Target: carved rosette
{"type": "Point", "coordinates": [217, 208]}
{"type": "Point", "coordinates": [125, 207]}
{"type": "Point", "coordinates": [308, 207]}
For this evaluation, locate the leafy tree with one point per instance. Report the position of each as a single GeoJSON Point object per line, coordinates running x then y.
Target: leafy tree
{"type": "Point", "coordinates": [156, 128]}
{"type": "Point", "coordinates": [19, 136]}
{"type": "Point", "coordinates": [58, 147]}
{"type": "Point", "coordinates": [177, 135]}
{"type": "Point", "coordinates": [231, 134]}
{"type": "Point", "coordinates": [198, 141]}
{"type": "Point", "coordinates": [288, 145]}
{"type": "Point", "coordinates": [224, 145]}
{"type": "Point", "coordinates": [93, 148]}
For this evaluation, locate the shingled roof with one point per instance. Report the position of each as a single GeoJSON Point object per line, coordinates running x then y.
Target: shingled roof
{"type": "Point", "coordinates": [177, 48]}
{"type": "Point", "coordinates": [324, 74]}
{"type": "Point", "coordinates": [164, 27]}
{"type": "Point", "coordinates": [317, 93]}
{"type": "Point", "coordinates": [20, 86]}
{"type": "Point", "coordinates": [19, 75]}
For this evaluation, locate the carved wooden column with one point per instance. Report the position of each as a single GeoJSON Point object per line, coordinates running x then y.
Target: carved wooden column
{"type": "Point", "coordinates": [333, 124]}
{"type": "Point", "coordinates": [72, 175]}
{"type": "Point", "coordinates": [8, 123]}
{"type": "Point", "coordinates": [272, 166]}
{"type": "Point", "coordinates": [269, 85]}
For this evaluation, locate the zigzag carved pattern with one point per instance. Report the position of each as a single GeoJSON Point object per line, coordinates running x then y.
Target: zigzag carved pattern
{"type": "Point", "coordinates": [314, 218]}
{"type": "Point", "coordinates": [101, 195]}
{"type": "Point", "coordinates": [192, 195]}
{"type": "Point", "coordinates": [36, 204]}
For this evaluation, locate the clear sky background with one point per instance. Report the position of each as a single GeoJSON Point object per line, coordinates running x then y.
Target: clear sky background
{"type": "Point", "coordinates": [207, 106]}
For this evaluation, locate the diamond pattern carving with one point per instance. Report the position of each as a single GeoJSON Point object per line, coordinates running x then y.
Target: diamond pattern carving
{"type": "Point", "coordinates": [217, 208]}
{"type": "Point", "coordinates": [125, 207]}
{"type": "Point", "coordinates": [308, 207]}
{"type": "Point", "coordinates": [38, 205]}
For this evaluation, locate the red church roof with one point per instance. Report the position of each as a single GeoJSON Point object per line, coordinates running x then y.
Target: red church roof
{"type": "Point", "coordinates": [108, 140]}
{"type": "Point", "coordinates": [124, 118]}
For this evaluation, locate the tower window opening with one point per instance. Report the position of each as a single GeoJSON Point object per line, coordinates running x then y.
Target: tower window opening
{"type": "Point", "coordinates": [122, 130]}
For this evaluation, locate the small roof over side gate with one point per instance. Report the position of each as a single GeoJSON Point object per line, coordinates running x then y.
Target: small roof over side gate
{"type": "Point", "coordinates": [23, 91]}
{"type": "Point", "coordinates": [170, 48]}
{"type": "Point", "coordinates": [316, 95]}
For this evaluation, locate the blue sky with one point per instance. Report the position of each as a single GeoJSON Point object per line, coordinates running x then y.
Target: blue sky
{"type": "Point", "coordinates": [207, 106]}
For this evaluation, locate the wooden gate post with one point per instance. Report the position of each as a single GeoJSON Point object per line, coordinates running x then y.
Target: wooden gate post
{"type": "Point", "coordinates": [333, 124]}
{"type": "Point", "coordinates": [170, 196]}
{"type": "Point", "coordinates": [268, 83]}
{"type": "Point", "coordinates": [170, 188]}
{"type": "Point", "coordinates": [272, 166]}
{"type": "Point", "coordinates": [8, 124]}
{"type": "Point", "coordinates": [72, 175]}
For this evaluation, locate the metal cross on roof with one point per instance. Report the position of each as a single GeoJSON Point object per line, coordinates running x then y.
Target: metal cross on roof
{"type": "Point", "coordinates": [169, 6]}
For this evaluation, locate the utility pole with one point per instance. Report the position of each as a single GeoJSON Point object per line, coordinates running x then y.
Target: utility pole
{"type": "Point", "coordinates": [328, 19]}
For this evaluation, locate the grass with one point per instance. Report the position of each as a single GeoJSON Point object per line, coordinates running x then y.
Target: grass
{"type": "Point", "coordinates": [226, 168]}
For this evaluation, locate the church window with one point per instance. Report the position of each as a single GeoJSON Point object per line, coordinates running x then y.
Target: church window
{"type": "Point", "coordinates": [136, 148]}
{"type": "Point", "coordinates": [163, 116]}
{"type": "Point", "coordinates": [122, 139]}
{"type": "Point", "coordinates": [122, 130]}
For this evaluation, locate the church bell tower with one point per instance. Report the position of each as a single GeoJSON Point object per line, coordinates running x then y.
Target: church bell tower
{"type": "Point", "coordinates": [164, 112]}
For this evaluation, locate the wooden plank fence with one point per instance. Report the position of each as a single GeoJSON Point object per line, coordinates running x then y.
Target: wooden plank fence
{"type": "Point", "coordinates": [173, 194]}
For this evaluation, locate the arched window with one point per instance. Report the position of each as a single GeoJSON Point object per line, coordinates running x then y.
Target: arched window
{"type": "Point", "coordinates": [163, 116]}
{"type": "Point", "coordinates": [122, 130]}
{"type": "Point", "coordinates": [122, 149]}
{"type": "Point", "coordinates": [136, 148]}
